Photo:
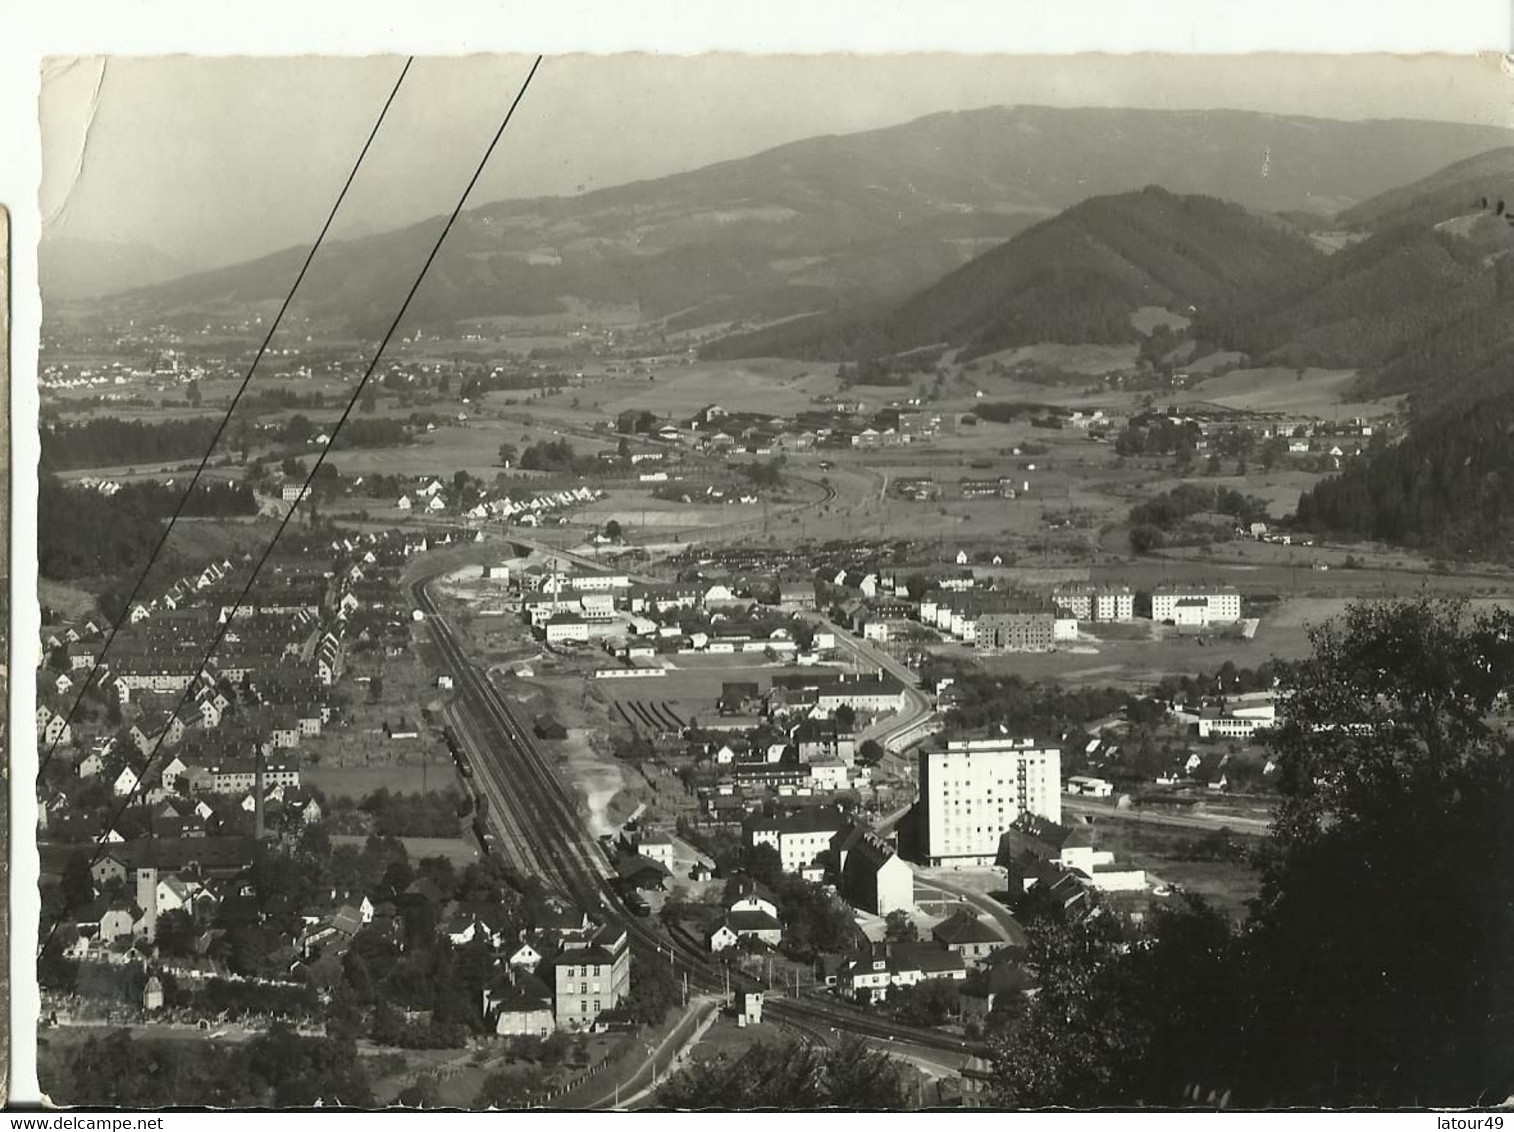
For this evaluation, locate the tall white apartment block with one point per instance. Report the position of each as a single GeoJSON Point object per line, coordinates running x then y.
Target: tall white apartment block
{"type": "Point", "coordinates": [973, 790]}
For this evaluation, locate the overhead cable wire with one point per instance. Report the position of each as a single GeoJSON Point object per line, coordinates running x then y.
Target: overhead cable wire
{"type": "Point", "coordinates": [230, 616]}
{"type": "Point", "coordinates": [194, 481]}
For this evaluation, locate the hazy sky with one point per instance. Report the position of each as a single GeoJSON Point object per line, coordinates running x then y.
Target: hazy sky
{"type": "Point", "coordinates": [213, 160]}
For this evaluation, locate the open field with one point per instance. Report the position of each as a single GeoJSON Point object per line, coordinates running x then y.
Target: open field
{"type": "Point", "coordinates": [408, 778]}
{"type": "Point", "coordinates": [1089, 359]}
{"type": "Point", "coordinates": [1136, 663]}
{"type": "Point", "coordinates": [1162, 852]}
{"type": "Point", "coordinates": [472, 447]}
{"type": "Point", "coordinates": [762, 385]}
{"type": "Point", "coordinates": [1321, 393]}
{"type": "Point", "coordinates": [461, 851]}
{"type": "Point", "coordinates": [635, 510]}
{"type": "Point", "coordinates": [71, 601]}
{"type": "Point", "coordinates": [725, 1039]}
{"type": "Point", "coordinates": [1283, 579]}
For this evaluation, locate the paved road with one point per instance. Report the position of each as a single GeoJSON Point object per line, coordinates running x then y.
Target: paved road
{"type": "Point", "coordinates": [998, 915]}
{"type": "Point", "coordinates": [917, 703]}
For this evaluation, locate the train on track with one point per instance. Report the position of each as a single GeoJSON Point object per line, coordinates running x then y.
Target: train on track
{"type": "Point", "coordinates": [459, 756]}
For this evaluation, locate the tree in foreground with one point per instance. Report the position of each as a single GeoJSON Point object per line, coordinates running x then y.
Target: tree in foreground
{"type": "Point", "coordinates": [790, 1075]}
{"type": "Point", "coordinates": [1374, 968]}
{"type": "Point", "coordinates": [1379, 958]}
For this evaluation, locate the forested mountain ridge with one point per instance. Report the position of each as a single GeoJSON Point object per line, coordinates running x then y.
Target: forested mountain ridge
{"type": "Point", "coordinates": [1447, 487]}
{"type": "Point", "coordinates": [1382, 306]}
{"type": "Point", "coordinates": [1454, 191]}
{"type": "Point", "coordinates": [1080, 276]}
{"type": "Point", "coordinates": [1075, 278]}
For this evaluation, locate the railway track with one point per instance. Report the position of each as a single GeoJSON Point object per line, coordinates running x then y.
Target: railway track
{"type": "Point", "coordinates": [541, 824]}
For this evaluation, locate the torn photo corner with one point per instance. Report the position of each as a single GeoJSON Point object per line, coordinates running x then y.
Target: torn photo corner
{"type": "Point", "coordinates": [768, 581]}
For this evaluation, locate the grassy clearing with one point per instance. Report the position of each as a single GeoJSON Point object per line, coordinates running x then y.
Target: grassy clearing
{"type": "Point", "coordinates": [1138, 664]}
{"type": "Point", "coordinates": [71, 601]}
{"type": "Point", "coordinates": [1160, 851]}
{"type": "Point", "coordinates": [460, 851]}
{"type": "Point", "coordinates": [360, 781]}
{"type": "Point", "coordinates": [1320, 392]}
{"type": "Point", "coordinates": [726, 1039]}
{"type": "Point", "coordinates": [1088, 359]}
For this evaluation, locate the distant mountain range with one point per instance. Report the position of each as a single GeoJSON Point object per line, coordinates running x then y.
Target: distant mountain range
{"type": "Point", "coordinates": [831, 222]}
{"type": "Point", "coordinates": [1420, 299]}
{"type": "Point", "coordinates": [72, 268]}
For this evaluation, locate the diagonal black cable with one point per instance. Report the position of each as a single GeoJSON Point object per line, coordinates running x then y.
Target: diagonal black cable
{"type": "Point", "coordinates": [357, 393]}
{"type": "Point", "coordinates": [226, 420]}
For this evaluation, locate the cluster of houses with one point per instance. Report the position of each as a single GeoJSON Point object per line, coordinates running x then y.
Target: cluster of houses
{"type": "Point", "coordinates": [715, 429]}
{"type": "Point", "coordinates": [851, 425]}
{"type": "Point", "coordinates": [638, 622]}
{"type": "Point", "coordinates": [1035, 850]}
{"type": "Point", "coordinates": [787, 742]}
{"type": "Point", "coordinates": [886, 605]}
{"type": "Point", "coordinates": [565, 972]}
{"type": "Point", "coordinates": [429, 498]}
{"type": "Point", "coordinates": [188, 746]}
{"type": "Point", "coordinates": [822, 843]}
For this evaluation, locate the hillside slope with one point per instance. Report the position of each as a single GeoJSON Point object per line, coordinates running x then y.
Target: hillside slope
{"type": "Point", "coordinates": [1423, 305]}
{"type": "Point", "coordinates": [1447, 487]}
{"type": "Point", "coordinates": [1076, 278]}
{"type": "Point", "coordinates": [1079, 277]}
{"type": "Point", "coordinates": [832, 220]}
{"type": "Point", "coordinates": [1456, 190]}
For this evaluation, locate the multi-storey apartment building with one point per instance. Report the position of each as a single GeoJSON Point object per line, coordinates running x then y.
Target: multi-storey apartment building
{"type": "Point", "coordinates": [1202, 605]}
{"type": "Point", "coordinates": [1021, 626]}
{"type": "Point", "coordinates": [1090, 602]}
{"type": "Point", "coordinates": [974, 789]}
{"type": "Point", "coordinates": [590, 976]}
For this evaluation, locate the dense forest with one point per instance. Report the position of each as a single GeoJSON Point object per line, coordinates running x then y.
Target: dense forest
{"type": "Point", "coordinates": [1446, 486]}
{"type": "Point", "coordinates": [1154, 434]}
{"type": "Point", "coordinates": [1077, 277]}
{"type": "Point", "coordinates": [115, 534]}
{"type": "Point", "coordinates": [1191, 514]}
{"type": "Point", "coordinates": [1399, 306]}
{"type": "Point", "coordinates": [278, 1068]}
{"type": "Point", "coordinates": [109, 442]}
{"type": "Point", "coordinates": [556, 456]}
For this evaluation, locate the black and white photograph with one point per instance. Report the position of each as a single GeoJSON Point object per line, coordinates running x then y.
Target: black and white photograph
{"type": "Point", "coordinates": [745, 581]}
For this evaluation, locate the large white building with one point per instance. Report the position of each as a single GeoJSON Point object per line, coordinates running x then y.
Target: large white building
{"type": "Point", "coordinates": [799, 838]}
{"type": "Point", "coordinates": [1198, 605]}
{"type": "Point", "coordinates": [1088, 602]}
{"type": "Point", "coordinates": [972, 791]}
